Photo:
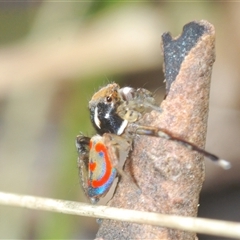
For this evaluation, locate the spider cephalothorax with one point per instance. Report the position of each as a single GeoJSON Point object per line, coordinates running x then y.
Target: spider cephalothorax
{"type": "Point", "coordinates": [112, 107]}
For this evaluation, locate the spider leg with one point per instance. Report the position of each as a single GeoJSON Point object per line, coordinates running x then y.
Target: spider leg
{"type": "Point", "coordinates": [117, 146]}
{"type": "Point", "coordinates": [162, 133]}
{"type": "Point", "coordinates": [135, 103]}
{"type": "Point", "coordinates": [82, 145]}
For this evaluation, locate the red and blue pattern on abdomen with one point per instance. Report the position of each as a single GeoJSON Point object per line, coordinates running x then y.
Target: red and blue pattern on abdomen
{"type": "Point", "coordinates": [101, 171]}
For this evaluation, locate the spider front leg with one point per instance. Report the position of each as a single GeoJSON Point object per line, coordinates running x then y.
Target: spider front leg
{"type": "Point", "coordinates": [135, 103]}
{"type": "Point", "coordinates": [162, 133]}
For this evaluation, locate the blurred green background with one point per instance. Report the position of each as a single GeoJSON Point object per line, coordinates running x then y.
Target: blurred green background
{"type": "Point", "coordinates": [55, 55]}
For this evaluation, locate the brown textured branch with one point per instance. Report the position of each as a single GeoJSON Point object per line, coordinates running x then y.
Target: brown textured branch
{"type": "Point", "coordinates": [170, 176]}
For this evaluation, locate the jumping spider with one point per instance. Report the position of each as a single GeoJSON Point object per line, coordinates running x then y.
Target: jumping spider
{"type": "Point", "coordinates": [115, 113]}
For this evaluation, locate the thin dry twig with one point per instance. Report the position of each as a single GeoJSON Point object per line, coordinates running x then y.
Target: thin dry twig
{"type": "Point", "coordinates": [200, 225]}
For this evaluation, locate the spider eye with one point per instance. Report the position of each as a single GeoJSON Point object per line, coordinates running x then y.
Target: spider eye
{"type": "Point", "coordinates": [109, 99]}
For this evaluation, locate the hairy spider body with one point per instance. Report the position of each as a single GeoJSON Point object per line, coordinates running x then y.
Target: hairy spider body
{"type": "Point", "coordinates": [115, 113]}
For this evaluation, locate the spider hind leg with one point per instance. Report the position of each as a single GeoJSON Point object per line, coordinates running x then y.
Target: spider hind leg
{"type": "Point", "coordinates": [162, 133]}
{"type": "Point", "coordinates": [118, 146]}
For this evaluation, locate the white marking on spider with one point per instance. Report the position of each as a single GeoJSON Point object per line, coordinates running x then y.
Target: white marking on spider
{"type": "Point", "coordinates": [126, 90]}
{"type": "Point", "coordinates": [224, 163]}
{"type": "Point", "coordinates": [122, 127]}
{"type": "Point", "coordinates": [107, 115]}
{"type": "Point", "coordinates": [96, 119]}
